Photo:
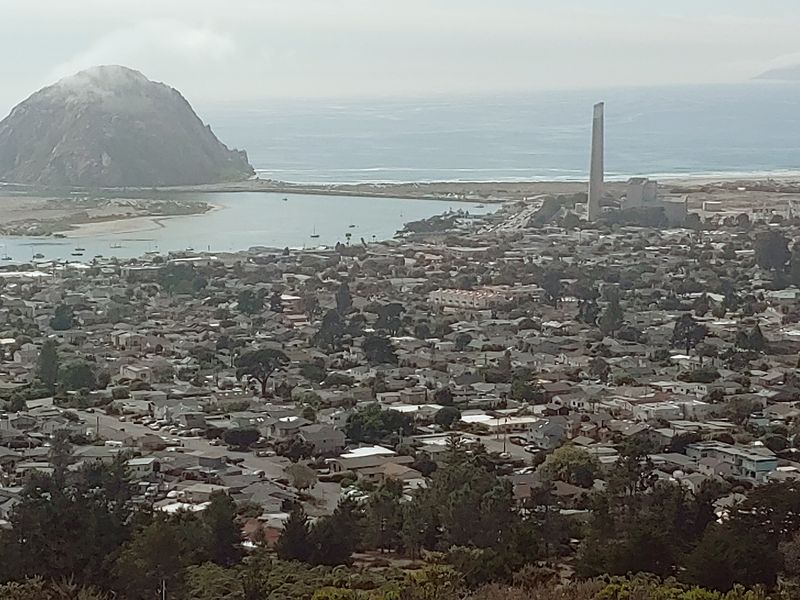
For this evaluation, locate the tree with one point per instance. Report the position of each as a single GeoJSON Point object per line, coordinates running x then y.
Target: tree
{"type": "Point", "coordinates": [62, 319]}
{"type": "Point", "coordinates": [60, 454]}
{"type": "Point", "coordinates": [588, 311]}
{"type": "Point", "coordinates": [77, 375]}
{"type": "Point", "coordinates": [551, 284]}
{"type": "Point", "coordinates": [389, 317]}
{"type": "Point", "coordinates": [379, 350]}
{"type": "Point", "coordinates": [794, 265]}
{"type": "Point", "coordinates": [344, 301]}
{"type": "Point", "coordinates": [571, 465]}
{"type": "Point", "coordinates": [259, 365]}
{"type": "Point", "coordinates": [790, 551]}
{"type": "Point", "coordinates": [302, 476]}
{"type": "Point", "coordinates": [688, 333]}
{"type": "Point", "coordinates": [295, 449]}
{"type": "Point", "coordinates": [679, 442]}
{"type": "Point", "coordinates": [738, 410]}
{"type": "Point", "coordinates": [523, 390]}
{"type": "Point", "coordinates": [706, 350]}
{"type": "Point", "coordinates": [159, 553]}
{"type": "Point", "coordinates": [276, 302]}
{"type": "Point", "coordinates": [373, 425]}
{"type": "Point", "coordinates": [772, 250]}
{"type": "Point", "coordinates": [293, 544]}
{"type": "Point", "coordinates": [241, 438]}
{"type": "Point", "coordinates": [47, 365]}
{"type": "Point", "coordinates": [334, 538]}
{"type": "Point", "coordinates": [250, 302]}
{"type": "Point", "coordinates": [751, 340]}
{"type": "Point", "coordinates": [223, 544]}
{"type": "Point", "coordinates": [309, 413]}
{"type": "Point", "coordinates": [446, 416]}
{"type": "Point", "coordinates": [383, 515]}
{"type": "Point", "coordinates": [462, 340]}
{"type": "Point", "coordinates": [599, 368]}
{"type": "Point", "coordinates": [55, 526]}
{"type": "Point", "coordinates": [701, 305]}
{"type": "Point", "coordinates": [611, 318]}
{"type": "Point", "coordinates": [728, 554]}
{"type": "Point", "coordinates": [776, 442]}
{"type": "Point", "coordinates": [330, 331]}
{"type": "Point", "coordinates": [443, 396]}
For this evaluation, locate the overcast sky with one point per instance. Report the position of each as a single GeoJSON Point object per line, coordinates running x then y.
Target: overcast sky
{"type": "Point", "coordinates": [253, 49]}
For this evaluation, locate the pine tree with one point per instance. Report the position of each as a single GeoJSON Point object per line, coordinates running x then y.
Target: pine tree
{"type": "Point", "coordinates": [344, 301]}
{"type": "Point", "coordinates": [224, 537]}
{"type": "Point", "coordinates": [293, 544]}
{"type": "Point", "coordinates": [47, 367]}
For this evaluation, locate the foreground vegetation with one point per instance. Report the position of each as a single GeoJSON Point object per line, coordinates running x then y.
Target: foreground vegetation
{"type": "Point", "coordinates": [79, 534]}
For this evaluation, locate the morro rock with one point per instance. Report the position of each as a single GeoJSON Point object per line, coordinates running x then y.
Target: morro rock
{"type": "Point", "coordinates": [110, 126]}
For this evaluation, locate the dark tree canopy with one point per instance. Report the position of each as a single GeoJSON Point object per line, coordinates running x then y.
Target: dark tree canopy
{"type": "Point", "coordinates": [688, 333]}
{"type": "Point", "coordinates": [373, 424]}
{"type": "Point", "coordinates": [379, 350]}
{"type": "Point", "coordinates": [47, 365]}
{"type": "Point", "coordinates": [772, 250]}
{"type": "Point", "coordinates": [259, 365]}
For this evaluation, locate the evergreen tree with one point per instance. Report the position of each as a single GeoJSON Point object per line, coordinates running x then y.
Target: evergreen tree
{"type": "Point", "coordinates": [612, 317]}
{"type": "Point", "coordinates": [293, 544]}
{"type": "Point", "coordinates": [47, 365]}
{"type": "Point", "coordinates": [687, 332]}
{"type": "Point", "coordinates": [344, 301]}
{"type": "Point", "coordinates": [334, 538]}
{"type": "Point", "coordinates": [223, 535]}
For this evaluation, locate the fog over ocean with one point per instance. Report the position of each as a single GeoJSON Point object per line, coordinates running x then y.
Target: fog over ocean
{"type": "Point", "coordinates": [739, 129]}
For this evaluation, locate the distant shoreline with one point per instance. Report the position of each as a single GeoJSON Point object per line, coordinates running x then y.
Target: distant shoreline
{"type": "Point", "coordinates": [467, 191]}
{"type": "Point", "coordinates": [476, 192]}
{"type": "Point", "coordinates": [445, 190]}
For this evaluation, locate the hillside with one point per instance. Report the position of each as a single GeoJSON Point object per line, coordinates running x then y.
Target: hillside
{"type": "Point", "coordinates": [110, 126]}
{"type": "Point", "coordinates": [791, 73]}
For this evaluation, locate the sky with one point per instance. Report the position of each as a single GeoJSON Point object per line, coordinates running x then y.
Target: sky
{"type": "Point", "coordinates": [256, 50]}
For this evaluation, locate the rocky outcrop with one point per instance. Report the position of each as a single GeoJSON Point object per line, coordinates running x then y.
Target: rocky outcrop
{"type": "Point", "coordinates": [110, 126]}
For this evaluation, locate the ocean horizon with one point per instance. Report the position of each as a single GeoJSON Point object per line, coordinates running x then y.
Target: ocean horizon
{"type": "Point", "coordinates": [734, 130]}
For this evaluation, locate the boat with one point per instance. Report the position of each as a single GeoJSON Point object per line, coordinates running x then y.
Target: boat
{"type": "Point", "coordinates": [351, 226]}
{"type": "Point", "coordinates": [285, 199]}
{"type": "Point", "coordinates": [116, 245]}
{"type": "Point", "coordinates": [80, 249]}
{"type": "Point", "coordinates": [77, 254]}
{"type": "Point", "coordinates": [38, 256]}
{"type": "Point", "coordinates": [314, 234]}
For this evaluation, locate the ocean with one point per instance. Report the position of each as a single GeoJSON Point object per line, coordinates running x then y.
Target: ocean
{"type": "Point", "coordinates": [720, 130]}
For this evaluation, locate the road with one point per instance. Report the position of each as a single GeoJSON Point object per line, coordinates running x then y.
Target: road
{"type": "Point", "coordinates": [520, 220]}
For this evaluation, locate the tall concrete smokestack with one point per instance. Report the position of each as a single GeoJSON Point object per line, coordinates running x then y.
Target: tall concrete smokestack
{"type": "Point", "coordinates": [596, 171]}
